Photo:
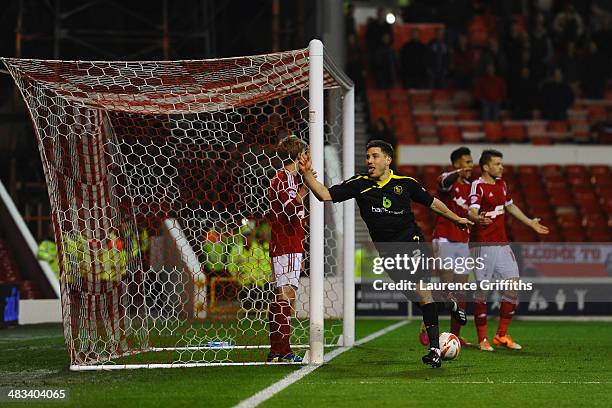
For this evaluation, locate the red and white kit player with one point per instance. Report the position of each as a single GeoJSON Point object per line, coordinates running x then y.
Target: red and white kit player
{"type": "Point", "coordinates": [489, 201]}
{"type": "Point", "coordinates": [450, 242]}
{"type": "Point", "coordinates": [286, 195]}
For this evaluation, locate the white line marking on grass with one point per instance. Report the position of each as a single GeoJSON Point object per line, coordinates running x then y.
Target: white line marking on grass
{"type": "Point", "coordinates": [295, 376]}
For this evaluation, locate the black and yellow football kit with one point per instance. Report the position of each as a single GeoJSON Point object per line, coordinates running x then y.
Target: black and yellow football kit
{"type": "Point", "coordinates": [385, 205]}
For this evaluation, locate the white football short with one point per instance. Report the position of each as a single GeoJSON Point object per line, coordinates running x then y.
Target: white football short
{"type": "Point", "coordinates": [287, 269]}
{"type": "Point", "coordinates": [459, 252]}
{"type": "Point", "coordinates": [498, 260]}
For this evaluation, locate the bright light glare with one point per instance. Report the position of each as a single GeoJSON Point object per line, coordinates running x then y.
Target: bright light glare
{"type": "Point", "coordinates": [390, 18]}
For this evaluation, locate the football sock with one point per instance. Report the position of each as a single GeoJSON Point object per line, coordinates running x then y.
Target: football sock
{"type": "Point", "coordinates": [480, 318]}
{"type": "Point", "coordinates": [455, 327]}
{"type": "Point", "coordinates": [280, 327]}
{"type": "Point", "coordinates": [506, 311]}
{"type": "Point", "coordinates": [430, 318]}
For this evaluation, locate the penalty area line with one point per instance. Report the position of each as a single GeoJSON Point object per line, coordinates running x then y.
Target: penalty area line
{"type": "Point", "coordinates": [295, 376]}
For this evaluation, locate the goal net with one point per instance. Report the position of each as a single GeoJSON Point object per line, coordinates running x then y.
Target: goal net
{"type": "Point", "coordinates": [158, 176]}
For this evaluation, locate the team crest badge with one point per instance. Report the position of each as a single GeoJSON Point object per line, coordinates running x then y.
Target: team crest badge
{"type": "Point", "coordinates": [398, 190]}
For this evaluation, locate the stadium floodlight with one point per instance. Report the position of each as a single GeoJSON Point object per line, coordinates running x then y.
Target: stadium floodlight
{"type": "Point", "coordinates": [158, 173]}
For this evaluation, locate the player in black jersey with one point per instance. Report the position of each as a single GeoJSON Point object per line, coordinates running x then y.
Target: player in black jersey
{"type": "Point", "coordinates": [384, 202]}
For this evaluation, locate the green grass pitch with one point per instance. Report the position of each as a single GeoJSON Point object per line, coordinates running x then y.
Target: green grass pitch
{"type": "Point", "coordinates": [562, 364]}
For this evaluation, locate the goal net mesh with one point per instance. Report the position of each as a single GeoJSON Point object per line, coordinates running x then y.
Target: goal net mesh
{"type": "Point", "coordinates": [158, 176]}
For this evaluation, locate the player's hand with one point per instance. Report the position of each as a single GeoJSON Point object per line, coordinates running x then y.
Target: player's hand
{"type": "Point", "coordinates": [537, 227]}
{"type": "Point", "coordinates": [463, 172]}
{"type": "Point", "coordinates": [305, 163]}
{"type": "Point", "coordinates": [463, 223]}
{"type": "Point", "coordinates": [484, 221]}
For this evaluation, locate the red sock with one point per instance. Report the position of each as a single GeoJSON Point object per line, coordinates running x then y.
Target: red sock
{"type": "Point", "coordinates": [506, 311]}
{"type": "Point", "coordinates": [455, 327]}
{"type": "Point", "coordinates": [480, 318]}
{"type": "Point", "coordinates": [280, 328]}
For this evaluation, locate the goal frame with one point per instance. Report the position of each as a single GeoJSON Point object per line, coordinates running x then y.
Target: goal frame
{"type": "Point", "coordinates": [321, 68]}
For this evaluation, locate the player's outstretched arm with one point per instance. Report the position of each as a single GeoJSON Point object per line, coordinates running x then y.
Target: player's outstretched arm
{"type": "Point", "coordinates": [534, 223]}
{"type": "Point", "coordinates": [440, 208]}
{"type": "Point", "coordinates": [318, 189]}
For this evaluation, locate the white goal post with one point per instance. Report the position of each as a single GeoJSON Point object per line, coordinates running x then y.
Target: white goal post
{"type": "Point", "coordinates": [158, 175]}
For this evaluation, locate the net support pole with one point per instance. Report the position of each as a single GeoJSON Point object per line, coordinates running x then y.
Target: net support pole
{"type": "Point", "coordinates": [348, 160]}
{"type": "Point", "coordinates": [316, 131]}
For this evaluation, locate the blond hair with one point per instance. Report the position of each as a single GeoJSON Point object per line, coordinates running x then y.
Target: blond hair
{"type": "Point", "coordinates": [291, 147]}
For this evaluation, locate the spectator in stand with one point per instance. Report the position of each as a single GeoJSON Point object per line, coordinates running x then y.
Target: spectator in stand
{"type": "Point", "coordinates": [521, 95]}
{"type": "Point", "coordinates": [568, 25]}
{"type": "Point", "coordinates": [463, 62]}
{"type": "Point", "coordinates": [541, 48]}
{"type": "Point", "coordinates": [382, 132]}
{"type": "Point", "coordinates": [349, 20]}
{"type": "Point", "coordinates": [437, 60]}
{"type": "Point", "coordinates": [493, 54]}
{"type": "Point", "coordinates": [385, 64]}
{"type": "Point", "coordinates": [544, 7]}
{"type": "Point", "coordinates": [456, 17]}
{"type": "Point", "coordinates": [490, 91]}
{"type": "Point", "coordinates": [515, 43]}
{"type": "Point", "coordinates": [571, 66]}
{"type": "Point", "coordinates": [595, 72]}
{"type": "Point", "coordinates": [524, 60]}
{"type": "Point", "coordinates": [412, 57]}
{"type": "Point", "coordinates": [376, 31]}
{"type": "Point", "coordinates": [556, 97]}
{"type": "Point", "coordinates": [354, 62]}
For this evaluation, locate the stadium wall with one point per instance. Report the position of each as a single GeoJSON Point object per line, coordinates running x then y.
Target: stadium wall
{"type": "Point", "coordinates": [513, 154]}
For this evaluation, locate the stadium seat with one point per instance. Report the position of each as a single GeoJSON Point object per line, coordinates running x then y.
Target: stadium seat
{"type": "Point", "coordinates": [409, 170]}
{"type": "Point", "coordinates": [449, 134]}
{"type": "Point", "coordinates": [600, 180]}
{"type": "Point", "coordinates": [599, 234]}
{"type": "Point", "coordinates": [576, 169]}
{"type": "Point", "coordinates": [442, 97]}
{"type": "Point", "coordinates": [493, 132]}
{"type": "Point", "coordinates": [597, 113]}
{"type": "Point", "coordinates": [423, 117]}
{"type": "Point", "coordinates": [527, 171]}
{"type": "Point", "coordinates": [467, 114]}
{"type": "Point", "coordinates": [560, 197]}
{"type": "Point", "coordinates": [558, 130]}
{"type": "Point", "coordinates": [420, 98]}
{"type": "Point", "coordinates": [445, 115]}
{"type": "Point", "coordinates": [471, 131]}
{"type": "Point", "coordinates": [600, 170]}
{"type": "Point", "coordinates": [515, 132]}
{"type": "Point", "coordinates": [573, 234]}
{"type": "Point", "coordinates": [398, 95]}
{"type": "Point", "coordinates": [551, 170]}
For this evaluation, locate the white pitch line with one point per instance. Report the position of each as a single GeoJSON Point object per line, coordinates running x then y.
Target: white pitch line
{"type": "Point", "coordinates": [295, 376]}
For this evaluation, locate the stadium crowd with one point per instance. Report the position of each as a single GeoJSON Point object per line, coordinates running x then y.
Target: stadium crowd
{"type": "Point", "coordinates": [519, 56]}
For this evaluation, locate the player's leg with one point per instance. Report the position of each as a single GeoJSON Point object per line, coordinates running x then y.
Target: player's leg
{"type": "Point", "coordinates": [460, 253]}
{"type": "Point", "coordinates": [486, 255]}
{"type": "Point", "coordinates": [429, 309]}
{"type": "Point", "coordinates": [286, 270]}
{"type": "Point", "coordinates": [506, 269]}
{"type": "Point", "coordinates": [423, 335]}
{"type": "Point", "coordinates": [441, 250]}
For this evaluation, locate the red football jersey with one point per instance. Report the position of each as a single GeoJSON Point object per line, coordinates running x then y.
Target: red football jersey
{"type": "Point", "coordinates": [456, 199]}
{"type": "Point", "coordinates": [286, 215]}
{"type": "Point", "coordinates": [491, 201]}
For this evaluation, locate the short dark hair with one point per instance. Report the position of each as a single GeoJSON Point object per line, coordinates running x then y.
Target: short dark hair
{"type": "Point", "coordinates": [459, 153]}
{"type": "Point", "coordinates": [487, 155]}
{"type": "Point", "coordinates": [385, 147]}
